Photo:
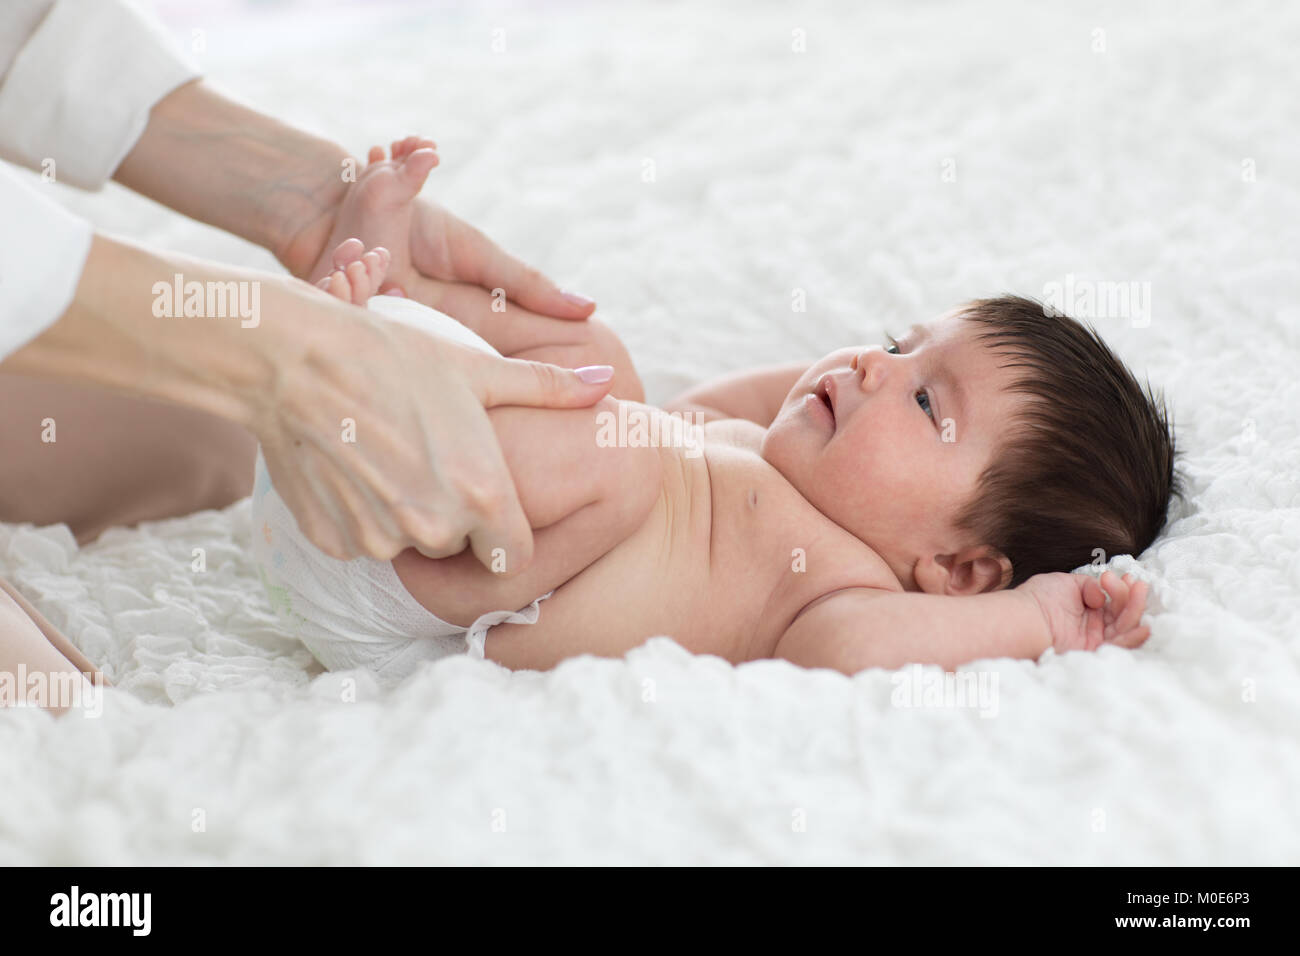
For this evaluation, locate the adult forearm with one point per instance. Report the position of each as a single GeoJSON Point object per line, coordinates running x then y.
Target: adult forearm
{"type": "Point", "coordinates": [123, 331]}
{"type": "Point", "coordinates": [232, 167]}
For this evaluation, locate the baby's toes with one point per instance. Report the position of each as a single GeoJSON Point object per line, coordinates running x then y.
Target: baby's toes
{"type": "Point", "coordinates": [406, 147]}
{"type": "Point", "coordinates": [336, 284]}
{"type": "Point", "coordinates": [347, 252]}
{"type": "Point", "coordinates": [376, 262]}
{"type": "Point", "coordinates": [359, 282]}
{"type": "Point", "coordinates": [415, 169]}
{"type": "Point", "coordinates": [376, 155]}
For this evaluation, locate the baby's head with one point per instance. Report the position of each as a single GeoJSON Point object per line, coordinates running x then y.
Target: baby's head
{"type": "Point", "coordinates": [989, 445]}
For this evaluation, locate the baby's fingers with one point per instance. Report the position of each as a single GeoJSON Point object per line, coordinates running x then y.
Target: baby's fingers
{"type": "Point", "coordinates": [1093, 596]}
{"type": "Point", "coordinates": [1117, 589]}
{"type": "Point", "coordinates": [1124, 630]}
{"type": "Point", "coordinates": [1132, 612]}
{"type": "Point", "coordinates": [1134, 638]}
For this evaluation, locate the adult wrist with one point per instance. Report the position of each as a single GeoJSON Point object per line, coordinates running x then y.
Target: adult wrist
{"type": "Point", "coordinates": [223, 163]}
{"type": "Point", "coordinates": [304, 204]}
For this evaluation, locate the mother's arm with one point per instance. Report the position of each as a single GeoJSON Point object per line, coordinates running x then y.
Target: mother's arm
{"type": "Point", "coordinates": [223, 163]}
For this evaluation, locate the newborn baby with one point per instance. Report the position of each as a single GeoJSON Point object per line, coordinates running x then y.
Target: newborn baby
{"type": "Point", "coordinates": [916, 502]}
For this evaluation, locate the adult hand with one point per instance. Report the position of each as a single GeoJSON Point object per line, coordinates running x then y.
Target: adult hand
{"type": "Point", "coordinates": [417, 465]}
{"type": "Point", "coordinates": [446, 248]}
{"type": "Point", "coordinates": [437, 251]}
{"type": "Point", "coordinates": [220, 162]}
{"type": "Point", "coordinates": [425, 469]}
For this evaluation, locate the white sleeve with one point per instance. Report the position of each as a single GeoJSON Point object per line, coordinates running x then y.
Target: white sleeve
{"type": "Point", "coordinates": [43, 249]}
{"type": "Point", "coordinates": [79, 88]}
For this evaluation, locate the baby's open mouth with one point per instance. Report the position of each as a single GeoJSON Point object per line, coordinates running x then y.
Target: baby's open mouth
{"type": "Point", "coordinates": [823, 392]}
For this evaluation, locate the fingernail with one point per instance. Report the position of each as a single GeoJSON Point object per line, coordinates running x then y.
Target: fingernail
{"type": "Point", "coordinates": [576, 299]}
{"type": "Point", "coordinates": [595, 374]}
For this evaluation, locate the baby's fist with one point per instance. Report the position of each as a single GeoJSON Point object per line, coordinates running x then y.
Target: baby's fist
{"type": "Point", "coordinates": [1078, 616]}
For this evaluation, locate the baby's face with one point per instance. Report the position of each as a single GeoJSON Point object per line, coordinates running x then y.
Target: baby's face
{"type": "Point", "coordinates": [889, 446]}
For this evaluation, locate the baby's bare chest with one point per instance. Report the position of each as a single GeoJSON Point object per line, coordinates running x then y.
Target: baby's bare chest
{"type": "Point", "coordinates": [726, 559]}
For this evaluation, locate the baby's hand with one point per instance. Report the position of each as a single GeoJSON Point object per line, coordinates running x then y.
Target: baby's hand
{"type": "Point", "coordinates": [1078, 616]}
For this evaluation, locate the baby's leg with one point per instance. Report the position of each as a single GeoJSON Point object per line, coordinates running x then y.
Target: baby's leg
{"type": "Point", "coordinates": [378, 209]}
{"type": "Point", "coordinates": [519, 333]}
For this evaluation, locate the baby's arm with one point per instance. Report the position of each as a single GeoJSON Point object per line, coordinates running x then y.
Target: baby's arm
{"type": "Point", "coordinates": [518, 333]}
{"type": "Point", "coordinates": [580, 498]}
{"type": "Point", "coordinates": [755, 395]}
{"type": "Point", "coordinates": [867, 627]}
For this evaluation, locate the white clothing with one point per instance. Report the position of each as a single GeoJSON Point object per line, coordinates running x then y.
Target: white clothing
{"type": "Point", "coordinates": [77, 81]}
{"type": "Point", "coordinates": [357, 613]}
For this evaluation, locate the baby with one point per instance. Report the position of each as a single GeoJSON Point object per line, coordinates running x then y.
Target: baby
{"type": "Point", "coordinates": [917, 502]}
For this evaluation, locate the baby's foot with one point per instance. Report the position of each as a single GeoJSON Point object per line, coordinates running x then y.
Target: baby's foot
{"type": "Point", "coordinates": [378, 207]}
{"type": "Point", "coordinates": [357, 274]}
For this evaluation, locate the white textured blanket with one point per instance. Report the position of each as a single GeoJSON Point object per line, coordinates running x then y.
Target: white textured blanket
{"type": "Point", "coordinates": [691, 170]}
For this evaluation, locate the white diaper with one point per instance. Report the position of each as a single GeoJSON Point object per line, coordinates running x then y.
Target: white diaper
{"type": "Point", "coordinates": [357, 613]}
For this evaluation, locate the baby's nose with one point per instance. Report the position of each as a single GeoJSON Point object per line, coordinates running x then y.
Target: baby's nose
{"type": "Point", "coordinates": [870, 365]}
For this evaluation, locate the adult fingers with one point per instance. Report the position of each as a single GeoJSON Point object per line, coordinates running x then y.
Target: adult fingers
{"type": "Point", "coordinates": [499, 381]}
{"type": "Point", "coordinates": [483, 262]}
{"type": "Point", "coordinates": [319, 515]}
{"type": "Point", "coordinates": [499, 533]}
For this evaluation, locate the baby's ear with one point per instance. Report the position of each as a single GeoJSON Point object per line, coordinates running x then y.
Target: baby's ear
{"type": "Point", "coordinates": [972, 570]}
{"type": "Point", "coordinates": [990, 568]}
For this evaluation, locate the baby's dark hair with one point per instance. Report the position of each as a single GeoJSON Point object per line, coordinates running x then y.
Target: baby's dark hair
{"type": "Point", "coordinates": [1088, 461]}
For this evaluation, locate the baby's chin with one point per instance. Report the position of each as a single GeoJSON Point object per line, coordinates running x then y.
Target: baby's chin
{"type": "Point", "coordinates": [793, 454]}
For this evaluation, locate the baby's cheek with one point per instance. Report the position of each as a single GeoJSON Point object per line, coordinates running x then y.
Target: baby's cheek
{"type": "Point", "coordinates": [880, 482]}
{"type": "Point", "coordinates": [858, 481]}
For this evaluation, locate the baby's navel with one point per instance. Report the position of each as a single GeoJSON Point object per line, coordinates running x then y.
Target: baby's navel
{"type": "Point", "coordinates": [753, 498]}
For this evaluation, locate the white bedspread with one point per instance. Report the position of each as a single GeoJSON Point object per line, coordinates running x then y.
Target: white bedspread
{"type": "Point", "coordinates": [1167, 157]}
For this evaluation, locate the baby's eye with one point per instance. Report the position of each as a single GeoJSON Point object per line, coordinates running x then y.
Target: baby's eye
{"type": "Point", "coordinates": [922, 396]}
{"type": "Point", "coordinates": [923, 399]}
